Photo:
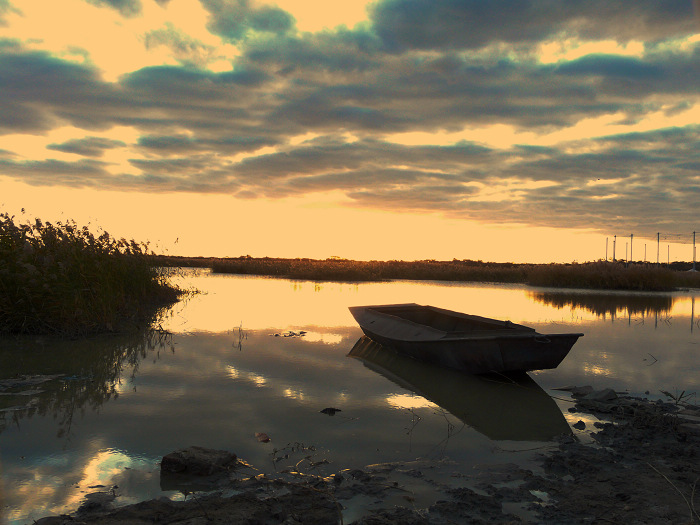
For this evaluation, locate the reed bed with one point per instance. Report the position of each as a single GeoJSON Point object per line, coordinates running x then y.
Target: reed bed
{"type": "Point", "coordinates": [609, 276]}
{"type": "Point", "coordinates": [61, 279]}
{"type": "Point", "coordinates": [349, 270]}
{"type": "Point", "coordinates": [603, 275]}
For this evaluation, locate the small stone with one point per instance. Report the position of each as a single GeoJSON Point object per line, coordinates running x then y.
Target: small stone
{"type": "Point", "coordinates": [577, 390]}
{"type": "Point", "coordinates": [580, 425]}
{"type": "Point", "coordinates": [198, 461]}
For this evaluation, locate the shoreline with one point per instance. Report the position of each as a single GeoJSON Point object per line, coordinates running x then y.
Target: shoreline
{"type": "Point", "coordinates": [597, 275]}
{"type": "Point", "coordinates": [638, 461]}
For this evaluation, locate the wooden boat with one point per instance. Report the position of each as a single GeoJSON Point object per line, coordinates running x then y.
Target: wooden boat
{"type": "Point", "coordinates": [512, 407]}
{"type": "Point", "coordinates": [473, 344]}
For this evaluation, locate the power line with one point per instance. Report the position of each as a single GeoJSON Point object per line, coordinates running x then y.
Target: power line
{"type": "Point", "coordinates": [667, 237]}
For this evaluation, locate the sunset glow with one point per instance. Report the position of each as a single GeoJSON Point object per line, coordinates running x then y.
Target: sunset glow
{"type": "Point", "coordinates": [395, 129]}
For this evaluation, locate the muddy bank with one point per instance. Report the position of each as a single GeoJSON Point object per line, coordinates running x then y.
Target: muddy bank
{"type": "Point", "coordinates": [629, 461]}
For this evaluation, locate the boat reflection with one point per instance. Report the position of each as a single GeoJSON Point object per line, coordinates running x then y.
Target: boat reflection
{"type": "Point", "coordinates": [500, 407]}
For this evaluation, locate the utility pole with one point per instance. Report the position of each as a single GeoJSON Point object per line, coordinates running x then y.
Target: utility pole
{"type": "Point", "coordinates": [614, 243]}
{"type": "Point", "coordinates": [657, 247]}
{"type": "Point", "coordinates": [631, 239]}
{"type": "Point", "coordinates": [693, 251]}
{"type": "Point", "coordinates": [606, 249]}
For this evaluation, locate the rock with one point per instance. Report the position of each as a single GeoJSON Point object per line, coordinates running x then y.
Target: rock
{"type": "Point", "coordinates": [359, 474]}
{"type": "Point", "coordinates": [692, 428]}
{"type": "Point", "coordinates": [391, 517]}
{"type": "Point", "coordinates": [580, 425]}
{"type": "Point", "coordinates": [63, 519]}
{"type": "Point", "coordinates": [607, 394]}
{"type": "Point", "coordinates": [567, 439]}
{"type": "Point", "coordinates": [97, 501]}
{"type": "Point", "coordinates": [689, 414]}
{"type": "Point", "coordinates": [198, 461]}
{"type": "Point", "coordinates": [577, 390]}
{"type": "Point", "coordinates": [262, 437]}
{"type": "Point", "coordinates": [338, 478]}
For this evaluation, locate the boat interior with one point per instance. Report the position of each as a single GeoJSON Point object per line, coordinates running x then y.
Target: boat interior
{"type": "Point", "coordinates": [445, 321]}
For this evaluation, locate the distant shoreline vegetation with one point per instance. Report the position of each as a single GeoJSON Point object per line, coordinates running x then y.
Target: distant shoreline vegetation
{"type": "Point", "coordinates": [603, 275]}
{"type": "Point", "coordinates": [60, 279]}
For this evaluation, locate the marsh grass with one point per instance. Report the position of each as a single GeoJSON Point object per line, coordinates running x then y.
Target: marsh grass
{"type": "Point", "coordinates": [349, 270]}
{"type": "Point", "coordinates": [609, 276]}
{"type": "Point", "coordinates": [601, 275]}
{"type": "Point", "coordinates": [62, 279]}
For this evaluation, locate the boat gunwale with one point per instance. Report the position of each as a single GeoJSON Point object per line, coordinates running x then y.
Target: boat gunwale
{"type": "Point", "coordinates": [507, 330]}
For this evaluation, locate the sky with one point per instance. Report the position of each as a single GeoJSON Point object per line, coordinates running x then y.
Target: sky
{"type": "Point", "coordinates": [519, 130]}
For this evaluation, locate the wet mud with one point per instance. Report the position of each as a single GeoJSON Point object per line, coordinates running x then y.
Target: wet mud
{"type": "Point", "coordinates": [629, 460]}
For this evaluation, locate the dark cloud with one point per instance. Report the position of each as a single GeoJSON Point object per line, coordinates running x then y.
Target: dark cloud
{"type": "Point", "coordinates": [326, 155]}
{"type": "Point", "coordinates": [370, 93]}
{"type": "Point", "coordinates": [417, 190]}
{"type": "Point", "coordinates": [5, 7]}
{"type": "Point", "coordinates": [127, 8]}
{"type": "Point", "coordinates": [629, 179]}
{"type": "Point", "coordinates": [87, 147]}
{"type": "Point", "coordinates": [443, 199]}
{"type": "Point", "coordinates": [611, 66]}
{"type": "Point", "coordinates": [40, 91]}
{"type": "Point", "coordinates": [176, 167]}
{"type": "Point", "coordinates": [271, 19]}
{"type": "Point", "coordinates": [471, 24]}
{"type": "Point", "coordinates": [342, 51]}
{"type": "Point", "coordinates": [181, 144]}
{"type": "Point", "coordinates": [187, 50]}
{"type": "Point", "coordinates": [83, 173]}
{"type": "Point", "coordinates": [421, 67]}
{"type": "Point", "coordinates": [232, 19]}
{"type": "Point", "coordinates": [181, 87]}
{"type": "Point", "coordinates": [584, 167]}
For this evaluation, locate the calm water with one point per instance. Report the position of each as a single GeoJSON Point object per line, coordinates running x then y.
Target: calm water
{"type": "Point", "coordinates": [231, 369]}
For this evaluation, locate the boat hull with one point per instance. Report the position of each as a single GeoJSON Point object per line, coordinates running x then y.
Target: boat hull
{"type": "Point", "coordinates": [502, 348]}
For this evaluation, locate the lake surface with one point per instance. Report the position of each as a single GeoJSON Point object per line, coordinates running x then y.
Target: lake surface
{"type": "Point", "coordinates": [231, 362]}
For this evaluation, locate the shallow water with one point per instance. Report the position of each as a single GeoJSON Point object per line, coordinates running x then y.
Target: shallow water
{"type": "Point", "coordinates": [228, 368]}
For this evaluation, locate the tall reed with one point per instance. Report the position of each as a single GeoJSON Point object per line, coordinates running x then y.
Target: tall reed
{"type": "Point", "coordinates": [62, 279]}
